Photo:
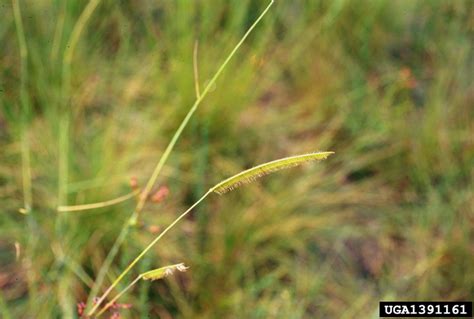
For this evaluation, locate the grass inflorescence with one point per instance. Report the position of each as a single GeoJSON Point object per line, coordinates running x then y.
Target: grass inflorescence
{"type": "Point", "coordinates": [256, 172]}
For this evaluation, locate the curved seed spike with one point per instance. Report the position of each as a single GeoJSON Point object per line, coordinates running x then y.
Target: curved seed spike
{"type": "Point", "coordinates": [162, 272]}
{"type": "Point", "coordinates": [256, 172]}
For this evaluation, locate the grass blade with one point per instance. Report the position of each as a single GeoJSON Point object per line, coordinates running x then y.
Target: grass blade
{"type": "Point", "coordinates": [109, 202]}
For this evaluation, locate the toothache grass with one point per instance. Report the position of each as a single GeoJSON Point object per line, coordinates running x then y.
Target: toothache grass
{"type": "Point", "coordinates": [159, 166]}
{"type": "Point", "coordinates": [227, 185]}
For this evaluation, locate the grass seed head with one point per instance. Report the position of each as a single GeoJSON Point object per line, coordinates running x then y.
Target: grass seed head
{"type": "Point", "coordinates": [256, 172]}
{"type": "Point", "coordinates": [162, 272]}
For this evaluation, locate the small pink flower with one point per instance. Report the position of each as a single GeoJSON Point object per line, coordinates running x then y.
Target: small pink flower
{"type": "Point", "coordinates": [160, 194]}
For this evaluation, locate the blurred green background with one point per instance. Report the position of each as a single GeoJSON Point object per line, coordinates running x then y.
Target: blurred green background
{"type": "Point", "coordinates": [387, 85]}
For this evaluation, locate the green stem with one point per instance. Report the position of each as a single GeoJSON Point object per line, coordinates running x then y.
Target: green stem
{"type": "Point", "coordinates": [63, 139]}
{"type": "Point", "coordinates": [108, 261]}
{"type": "Point", "coordinates": [25, 108]}
{"type": "Point", "coordinates": [25, 153]}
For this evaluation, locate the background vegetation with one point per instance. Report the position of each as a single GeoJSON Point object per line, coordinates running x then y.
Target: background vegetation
{"type": "Point", "coordinates": [387, 85]}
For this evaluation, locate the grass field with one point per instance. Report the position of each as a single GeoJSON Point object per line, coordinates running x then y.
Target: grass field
{"type": "Point", "coordinates": [92, 92]}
